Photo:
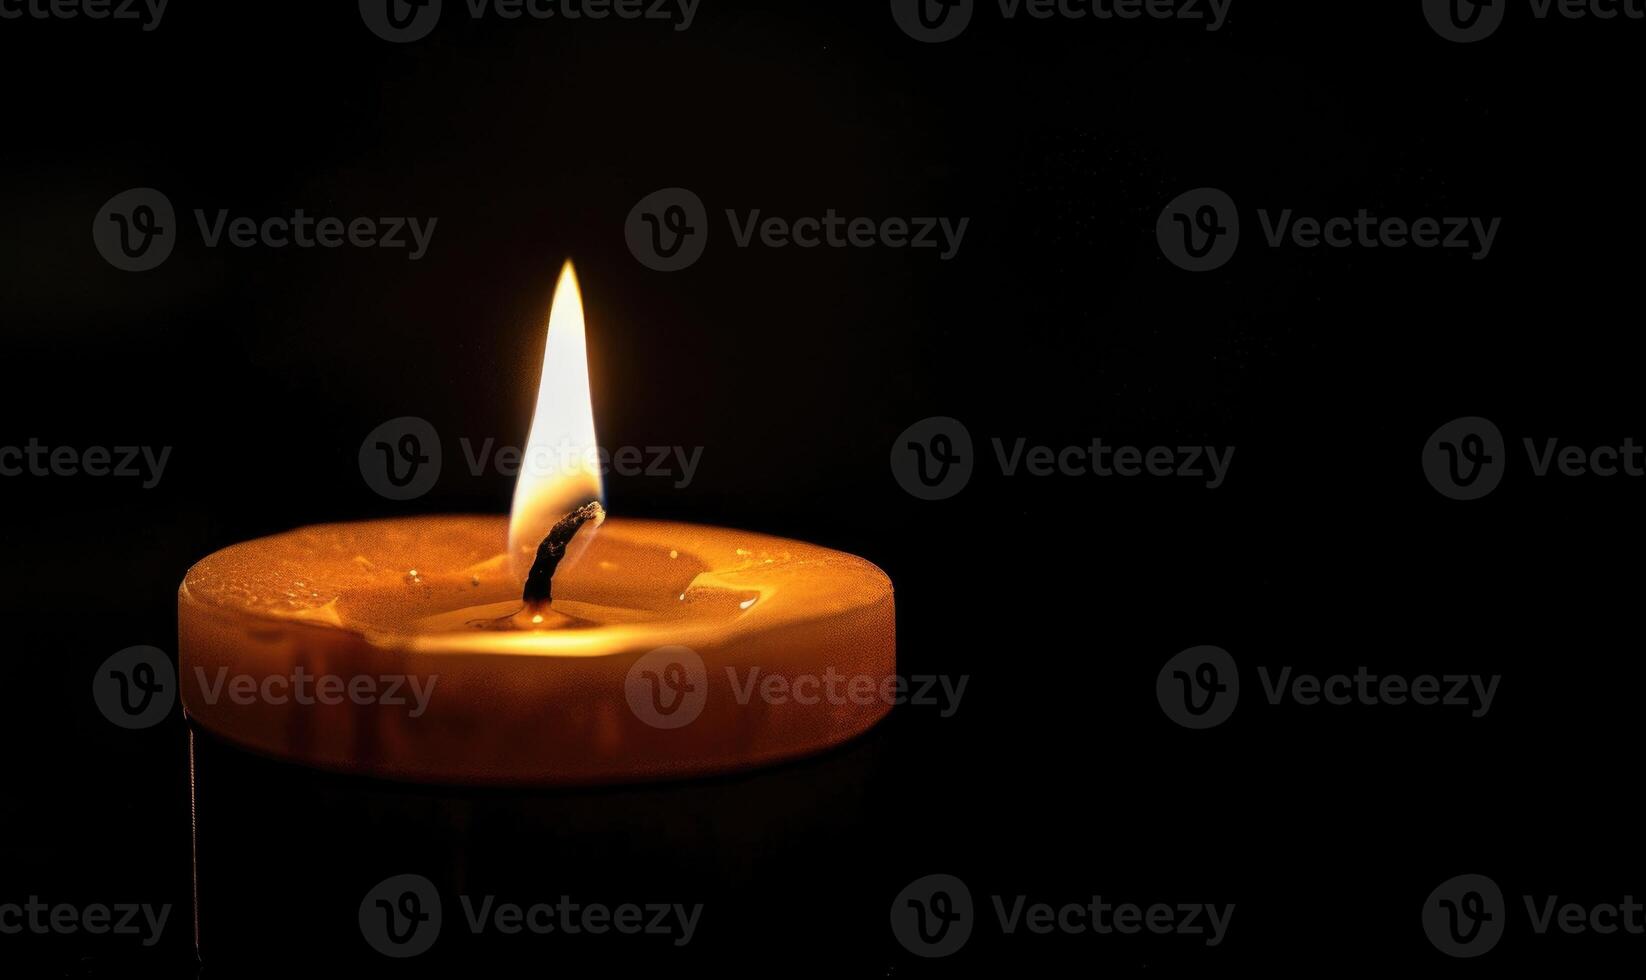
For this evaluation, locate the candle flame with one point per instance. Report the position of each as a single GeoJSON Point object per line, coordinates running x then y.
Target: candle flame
{"type": "Point", "coordinates": [560, 468]}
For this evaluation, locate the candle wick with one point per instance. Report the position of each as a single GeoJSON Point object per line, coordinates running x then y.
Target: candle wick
{"type": "Point", "coordinates": [540, 579]}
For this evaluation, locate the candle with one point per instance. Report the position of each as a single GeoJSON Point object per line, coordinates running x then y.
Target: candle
{"type": "Point", "coordinates": [552, 647]}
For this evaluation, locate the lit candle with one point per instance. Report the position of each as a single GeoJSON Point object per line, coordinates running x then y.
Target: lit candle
{"type": "Point", "coordinates": [555, 646]}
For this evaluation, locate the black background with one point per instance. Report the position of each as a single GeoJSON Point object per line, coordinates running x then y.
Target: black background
{"type": "Point", "coordinates": [1058, 321]}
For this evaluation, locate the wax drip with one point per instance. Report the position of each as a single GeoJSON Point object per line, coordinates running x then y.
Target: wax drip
{"type": "Point", "coordinates": [540, 580]}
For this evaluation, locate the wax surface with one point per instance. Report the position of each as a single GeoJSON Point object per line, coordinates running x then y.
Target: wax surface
{"type": "Point", "coordinates": [433, 600]}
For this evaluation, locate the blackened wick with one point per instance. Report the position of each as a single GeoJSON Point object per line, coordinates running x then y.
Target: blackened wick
{"type": "Point", "coordinates": [540, 579]}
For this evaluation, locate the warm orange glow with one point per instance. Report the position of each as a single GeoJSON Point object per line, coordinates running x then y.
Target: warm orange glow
{"type": "Point", "coordinates": [560, 469]}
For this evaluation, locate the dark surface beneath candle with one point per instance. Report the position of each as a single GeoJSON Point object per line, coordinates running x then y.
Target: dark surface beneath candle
{"type": "Point", "coordinates": [1057, 599]}
{"type": "Point", "coordinates": [731, 870]}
